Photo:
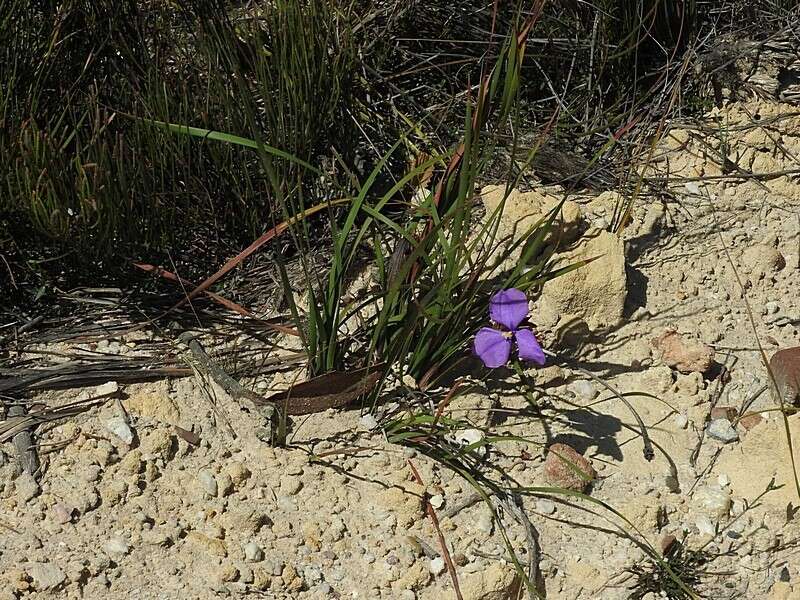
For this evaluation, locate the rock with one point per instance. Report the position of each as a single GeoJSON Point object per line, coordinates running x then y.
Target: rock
{"type": "Point", "coordinates": [116, 547]}
{"type": "Point", "coordinates": [750, 421]}
{"type": "Point", "coordinates": [159, 443]}
{"type": "Point", "coordinates": [549, 376]}
{"type": "Point", "coordinates": [705, 526]}
{"type": "Point", "coordinates": [565, 467]}
{"type": "Point", "coordinates": [681, 421]}
{"type": "Point", "coordinates": [724, 412]}
{"type": "Point", "coordinates": [666, 543]}
{"type": "Point", "coordinates": [498, 581]}
{"type": "Point", "coordinates": [485, 524]}
{"type": "Point", "coordinates": [771, 308]}
{"type": "Point", "coordinates": [156, 405]}
{"type": "Point", "coordinates": [238, 472]}
{"type": "Point", "coordinates": [782, 590]}
{"type": "Point", "coordinates": [246, 519]}
{"type": "Point", "coordinates": [131, 464]}
{"type": "Point", "coordinates": [253, 552]}
{"type": "Point", "coordinates": [545, 506]}
{"type": "Point", "coordinates": [290, 485]}
{"type": "Point", "coordinates": [722, 430]}
{"type": "Point", "coordinates": [437, 501]}
{"type": "Point", "coordinates": [520, 212]}
{"type": "Point", "coordinates": [686, 356]}
{"type": "Point", "coordinates": [713, 501]}
{"type": "Point", "coordinates": [595, 293]}
{"type": "Point", "coordinates": [26, 487]}
{"type": "Point", "coordinates": [761, 260]}
{"type": "Point", "coordinates": [471, 406]}
{"type": "Point", "coordinates": [785, 367]}
{"type": "Point", "coordinates": [467, 437]}
{"type": "Point", "coordinates": [45, 576]}
{"type": "Point", "coordinates": [62, 513]}
{"type": "Point", "coordinates": [261, 579]}
{"type": "Point", "coordinates": [583, 389]}
{"type": "Point", "coordinates": [437, 566]}
{"type": "Point", "coordinates": [213, 546]}
{"type": "Point", "coordinates": [688, 385]}
{"type": "Point", "coordinates": [208, 483]}
{"type": "Point", "coordinates": [224, 484]}
{"type": "Point", "coordinates": [227, 571]}
{"type": "Point", "coordinates": [121, 429]}
{"type": "Point", "coordinates": [368, 422]}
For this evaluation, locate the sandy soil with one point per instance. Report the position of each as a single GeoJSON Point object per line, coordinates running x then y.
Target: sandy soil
{"type": "Point", "coordinates": [231, 517]}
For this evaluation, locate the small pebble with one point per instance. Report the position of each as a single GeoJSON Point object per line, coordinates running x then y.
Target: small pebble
{"type": "Point", "coordinates": [583, 389]}
{"type": "Point", "coordinates": [368, 422]}
{"type": "Point", "coordinates": [290, 485]}
{"type": "Point", "coordinates": [437, 565]}
{"type": "Point", "coordinates": [62, 514]}
{"type": "Point", "coordinates": [116, 547]}
{"type": "Point", "coordinates": [545, 506]}
{"type": "Point", "coordinates": [681, 421]}
{"type": "Point", "coordinates": [121, 429]}
{"type": "Point", "coordinates": [208, 483]}
{"type": "Point", "coordinates": [469, 436]}
{"type": "Point", "coordinates": [253, 552]}
{"type": "Point", "coordinates": [723, 480]}
{"type": "Point", "coordinates": [224, 484]}
{"type": "Point", "coordinates": [713, 500]}
{"type": "Point", "coordinates": [704, 525]}
{"type": "Point", "coordinates": [46, 576]}
{"type": "Point", "coordinates": [26, 486]}
{"type": "Point", "coordinates": [437, 501]}
{"type": "Point", "coordinates": [722, 430]}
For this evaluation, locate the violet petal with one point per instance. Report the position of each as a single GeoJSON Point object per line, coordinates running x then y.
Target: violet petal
{"type": "Point", "coordinates": [528, 347]}
{"type": "Point", "coordinates": [509, 308]}
{"type": "Point", "coordinates": [492, 347]}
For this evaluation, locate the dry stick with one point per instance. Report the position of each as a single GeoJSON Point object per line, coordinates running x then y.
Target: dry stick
{"type": "Point", "coordinates": [24, 445]}
{"type": "Point", "coordinates": [514, 506]}
{"type": "Point", "coordinates": [724, 372]}
{"type": "Point", "coordinates": [445, 551]}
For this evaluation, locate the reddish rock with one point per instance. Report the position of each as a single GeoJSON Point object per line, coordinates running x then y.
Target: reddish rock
{"type": "Point", "coordinates": [564, 466]}
{"type": "Point", "coordinates": [785, 366]}
{"type": "Point", "coordinates": [724, 412]}
{"type": "Point", "coordinates": [684, 355]}
{"type": "Point", "coordinates": [666, 543]}
{"type": "Point", "coordinates": [750, 421]}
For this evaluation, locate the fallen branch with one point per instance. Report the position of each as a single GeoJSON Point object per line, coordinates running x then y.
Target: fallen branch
{"type": "Point", "coordinates": [23, 442]}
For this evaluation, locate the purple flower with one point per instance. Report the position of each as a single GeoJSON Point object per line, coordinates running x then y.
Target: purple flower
{"type": "Point", "coordinates": [508, 308]}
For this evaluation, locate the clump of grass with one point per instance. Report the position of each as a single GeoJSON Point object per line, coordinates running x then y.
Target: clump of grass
{"type": "Point", "coordinates": [659, 577]}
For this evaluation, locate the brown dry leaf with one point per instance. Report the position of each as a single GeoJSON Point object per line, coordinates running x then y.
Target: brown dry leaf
{"type": "Point", "coordinates": [190, 437]}
{"type": "Point", "coordinates": [331, 390]}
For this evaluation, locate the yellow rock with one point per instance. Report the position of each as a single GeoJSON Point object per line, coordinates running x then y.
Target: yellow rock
{"type": "Point", "coordinates": [211, 545]}
{"type": "Point", "coordinates": [154, 403]}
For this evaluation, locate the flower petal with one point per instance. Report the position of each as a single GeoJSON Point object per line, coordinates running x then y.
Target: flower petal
{"type": "Point", "coordinates": [492, 347]}
{"type": "Point", "coordinates": [528, 347]}
{"type": "Point", "coordinates": [509, 308]}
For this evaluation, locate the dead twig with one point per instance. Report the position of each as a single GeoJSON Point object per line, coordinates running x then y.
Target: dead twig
{"type": "Point", "coordinates": [442, 542]}
{"type": "Point", "coordinates": [24, 444]}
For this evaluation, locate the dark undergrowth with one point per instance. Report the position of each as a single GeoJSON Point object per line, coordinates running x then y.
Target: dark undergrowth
{"type": "Point", "coordinates": [90, 183]}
